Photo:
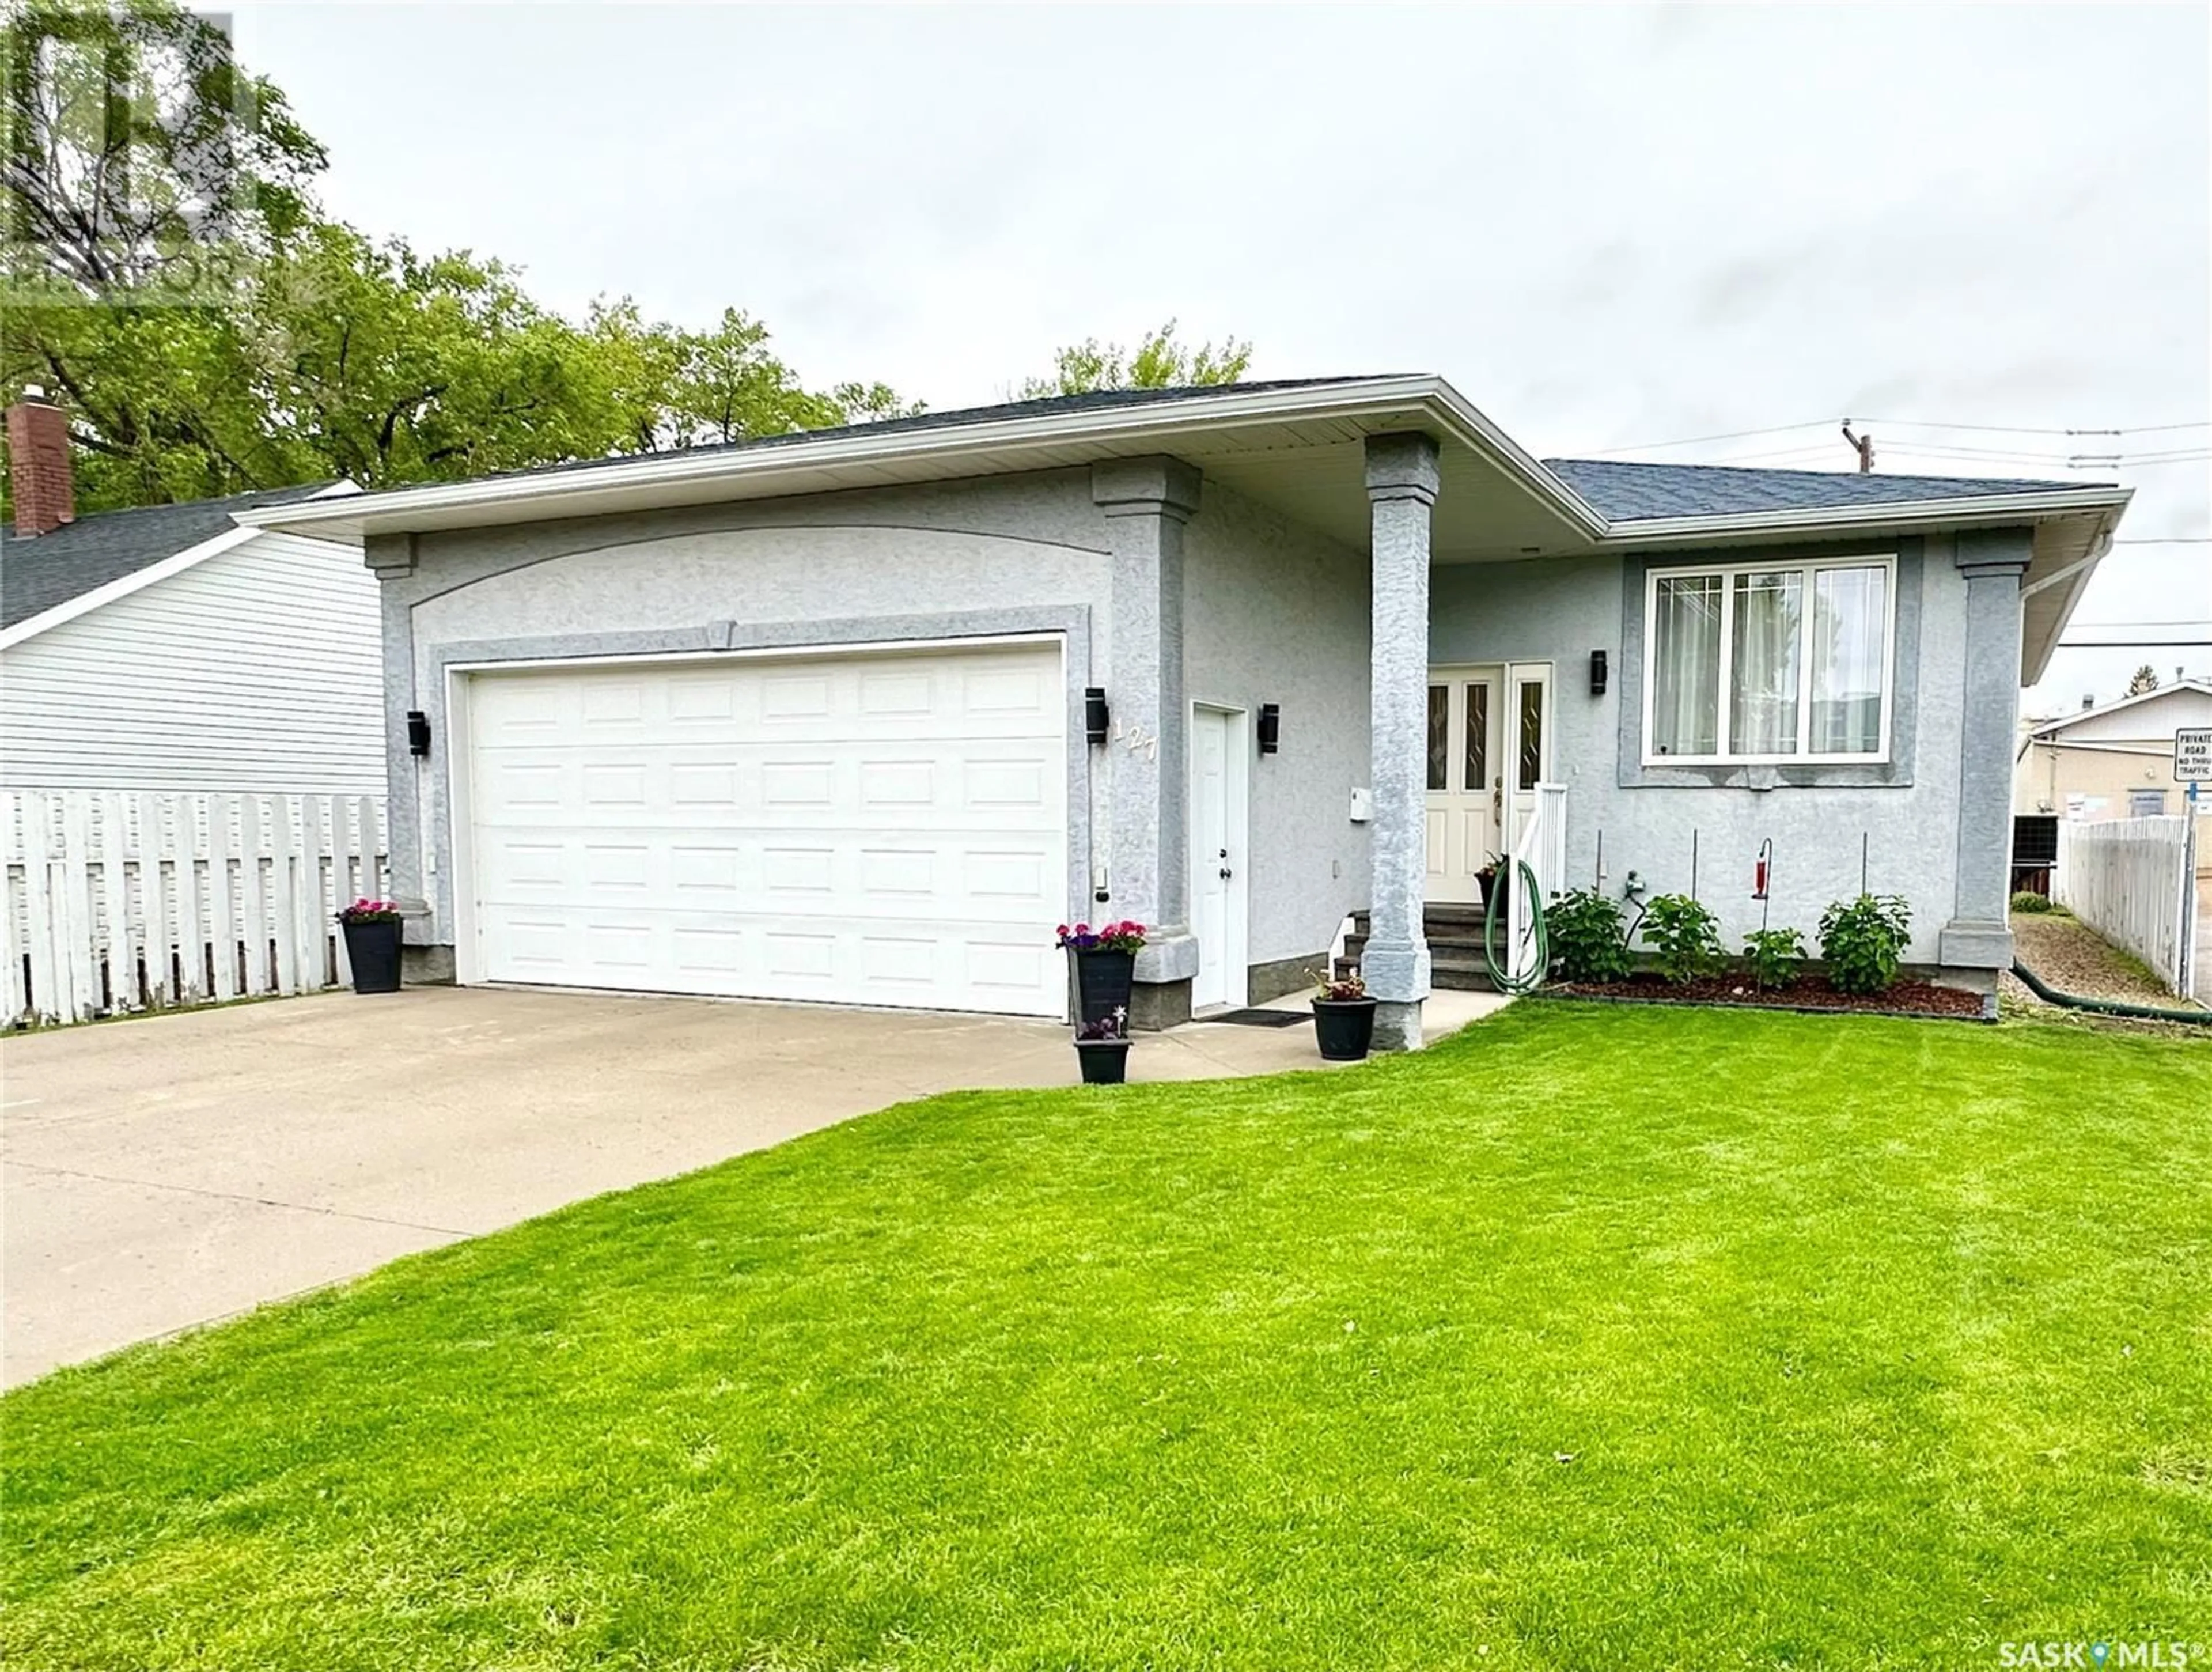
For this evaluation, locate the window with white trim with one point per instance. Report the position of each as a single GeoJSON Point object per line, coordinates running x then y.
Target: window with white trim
{"type": "Point", "coordinates": [1769, 662]}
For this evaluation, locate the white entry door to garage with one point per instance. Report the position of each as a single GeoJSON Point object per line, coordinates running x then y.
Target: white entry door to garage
{"type": "Point", "coordinates": [858, 829]}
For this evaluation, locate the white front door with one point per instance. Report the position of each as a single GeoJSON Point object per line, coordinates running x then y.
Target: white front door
{"type": "Point", "coordinates": [1527, 760]}
{"type": "Point", "coordinates": [875, 829]}
{"type": "Point", "coordinates": [1466, 789]}
{"type": "Point", "coordinates": [1217, 857]}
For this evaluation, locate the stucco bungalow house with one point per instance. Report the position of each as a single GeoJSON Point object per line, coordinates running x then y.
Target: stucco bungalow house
{"type": "Point", "coordinates": [861, 715]}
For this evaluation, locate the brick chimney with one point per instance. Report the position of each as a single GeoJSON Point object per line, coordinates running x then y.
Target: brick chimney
{"type": "Point", "coordinates": [38, 472]}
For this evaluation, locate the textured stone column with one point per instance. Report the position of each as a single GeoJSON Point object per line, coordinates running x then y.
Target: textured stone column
{"type": "Point", "coordinates": [1993, 561]}
{"type": "Point", "coordinates": [1147, 501]}
{"type": "Point", "coordinates": [1401, 488]}
{"type": "Point", "coordinates": [426, 953]}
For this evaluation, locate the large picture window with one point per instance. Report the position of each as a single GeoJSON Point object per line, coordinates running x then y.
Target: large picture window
{"type": "Point", "coordinates": [1769, 661]}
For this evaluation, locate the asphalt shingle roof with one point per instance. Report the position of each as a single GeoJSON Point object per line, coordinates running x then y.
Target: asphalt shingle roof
{"type": "Point", "coordinates": [1619, 492]}
{"type": "Point", "coordinates": [36, 575]}
{"type": "Point", "coordinates": [953, 418]}
{"type": "Point", "coordinates": [1635, 492]}
{"type": "Point", "coordinates": [49, 569]}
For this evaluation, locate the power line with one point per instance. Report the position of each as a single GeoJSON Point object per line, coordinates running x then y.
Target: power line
{"type": "Point", "coordinates": [2030, 430]}
{"type": "Point", "coordinates": [1909, 423]}
{"type": "Point", "coordinates": [1948, 450]}
{"type": "Point", "coordinates": [1725, 435]}
{"type": "Point", "coordinates": [1826, 449]}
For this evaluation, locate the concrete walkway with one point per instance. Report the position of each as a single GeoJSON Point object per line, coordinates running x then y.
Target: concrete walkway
{"type": "Point", "coordinates": [163, 1172]}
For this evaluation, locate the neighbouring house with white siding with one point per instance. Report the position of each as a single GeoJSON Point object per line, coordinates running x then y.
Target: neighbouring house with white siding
{"type": "Point", "coordinates": [191, 748]}
{"type": "Point", "coordinates": [169, 649]}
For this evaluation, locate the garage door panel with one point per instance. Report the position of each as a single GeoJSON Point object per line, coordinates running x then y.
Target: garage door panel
{"type": "Point", "coordinates": [887, 829]}
{"type": "Point", "coordinates": [1019, 783]}
{"type": "Point", "coordinates": [979, 967]}
{"type": "Point", "coordinates": [853, 874]}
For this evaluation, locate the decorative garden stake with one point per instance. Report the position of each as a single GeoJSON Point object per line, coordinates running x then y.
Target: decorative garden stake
{"type": "Point", "coordinates": [1102, 1048]}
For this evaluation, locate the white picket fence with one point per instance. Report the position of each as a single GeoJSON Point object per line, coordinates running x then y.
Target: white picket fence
{"type": "Point", "coordinates": [2132, 880]}
{"type": "Point", "coordinates": [121, 901]}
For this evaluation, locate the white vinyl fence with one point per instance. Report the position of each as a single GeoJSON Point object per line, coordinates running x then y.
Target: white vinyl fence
{"type": "Point", "coordinates": [2132, 881]}
{"type": "Point", "coordinates": [122, 902]}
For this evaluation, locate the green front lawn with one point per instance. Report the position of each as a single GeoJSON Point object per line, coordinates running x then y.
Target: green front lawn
{"type": "Point", "coordinates": [1593, 1338]}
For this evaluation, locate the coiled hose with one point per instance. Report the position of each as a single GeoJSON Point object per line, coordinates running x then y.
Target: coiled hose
{"type": "Point", "coordinates": [1502, 979]}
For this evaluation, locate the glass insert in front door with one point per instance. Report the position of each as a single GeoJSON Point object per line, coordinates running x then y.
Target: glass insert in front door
{"type": "Point", "coordinates": [1465, 758]}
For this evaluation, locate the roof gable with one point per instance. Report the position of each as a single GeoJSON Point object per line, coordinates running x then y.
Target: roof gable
{"type": "Point", "coordinates": [2142, 720]}
{"type": "Point", "coordinates": [47, 571]}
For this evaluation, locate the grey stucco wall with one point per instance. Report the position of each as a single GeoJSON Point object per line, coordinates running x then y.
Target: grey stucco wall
{"type": "Point", "coordinates": [1560, 611]}
{"type": "Point", "coordinates": [1018, 554]}
{"type": "Point", "coordinates": [1274, 612]}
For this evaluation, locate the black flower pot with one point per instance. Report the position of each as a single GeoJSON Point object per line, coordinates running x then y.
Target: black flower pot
{"type": "Point", "coordinates": [1493, 888]}
{"type": "Point", "coordinates": [1105, 1061]}
{"type": "Point", "coordinates": [1102, 980]}
{"type": "Point", "coordinates": [372, 949]}
{"type": "Point", "coordinates": [1344, 1027]}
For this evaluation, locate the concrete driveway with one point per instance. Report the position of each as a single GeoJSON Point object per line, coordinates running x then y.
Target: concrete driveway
{"type": "Point", "coordinates": [163, 1172]}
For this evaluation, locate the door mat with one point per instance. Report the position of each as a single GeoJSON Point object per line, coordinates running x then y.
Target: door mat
{"type": "Point", "coordinates": [1260, 1019]}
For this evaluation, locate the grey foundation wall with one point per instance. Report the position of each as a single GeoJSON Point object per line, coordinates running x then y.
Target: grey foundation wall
{"type": "Point", "coordinates": [1275, 613]}
{"type": "Point", "coordinates": [1907, 812]}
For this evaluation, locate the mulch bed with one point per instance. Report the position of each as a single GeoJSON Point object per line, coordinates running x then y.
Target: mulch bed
{"type": "Point", "coordinates": [1907, 998]}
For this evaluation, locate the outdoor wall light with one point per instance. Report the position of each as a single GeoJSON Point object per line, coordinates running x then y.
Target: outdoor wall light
{"type": "Point", "coordinates": [418, 732]}
{"type": "Point", "coordinates": [1597, 673]}
{"type": "Point", "coordinates": [1094, 713]}
{"type": "Point", "coordinates": [1271, 727]}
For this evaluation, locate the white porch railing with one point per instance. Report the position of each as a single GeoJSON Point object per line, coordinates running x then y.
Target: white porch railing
{"type": "Point", "coordinates": [120, 902]}
{"type": "Point", "coordinates": [1543, 846]}
{"type": "Point", "coordinates": [2132, 881]}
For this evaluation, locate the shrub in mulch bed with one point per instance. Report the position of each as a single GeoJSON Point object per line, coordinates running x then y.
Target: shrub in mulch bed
{"type": "Point", "coordinates": [1906, 998]}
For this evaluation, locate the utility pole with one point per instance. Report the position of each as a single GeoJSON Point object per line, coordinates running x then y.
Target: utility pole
{"type": "Point", "coordinates": [1862, 446]}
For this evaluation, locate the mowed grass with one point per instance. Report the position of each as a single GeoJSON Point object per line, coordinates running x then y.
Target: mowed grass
{"type": "Point", "coordinates": [1593, 1338]}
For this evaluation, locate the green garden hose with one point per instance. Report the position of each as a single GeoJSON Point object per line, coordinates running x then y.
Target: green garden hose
{"type": "Point", "coordinates": [1503, 982]}
{"type": "Point", "coordinates": [2034, 984]}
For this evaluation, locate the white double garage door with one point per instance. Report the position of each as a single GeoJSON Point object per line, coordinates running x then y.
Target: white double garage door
{"type": "Point", "coordinates": [873, 828]}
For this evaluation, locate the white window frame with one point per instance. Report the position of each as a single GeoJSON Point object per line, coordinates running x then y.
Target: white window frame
{"type": "Point", "coordinates": [1808, 568]}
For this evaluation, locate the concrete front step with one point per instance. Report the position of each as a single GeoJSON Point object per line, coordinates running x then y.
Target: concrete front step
{"type": "Point", "coordinates": [1454, 938]}
{"type": "Point", "coordinates": [1462, 970]}
{"type": "Point", "coordinates": [1458, 974]}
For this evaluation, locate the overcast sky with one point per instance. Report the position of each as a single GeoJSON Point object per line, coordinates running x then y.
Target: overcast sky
{"type": "Point", "coordinates": [1605, 226]}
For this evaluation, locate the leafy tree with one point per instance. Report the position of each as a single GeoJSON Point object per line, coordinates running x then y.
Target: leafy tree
{"type": "Point", "coordinates": [1158, 361]}
{"type": "Point", "coordinates": [728, 387]}
{"type": "Point", "coordinates": [389, 366]}
{"type": "Point", "coordinates": [132, 145]}
{"type": "Point", "coordinates": [142, 176]}
{"type": "Point", "coordinates": [2145, 680]}
{"type": "Point", "coordinates": [170, 280]}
